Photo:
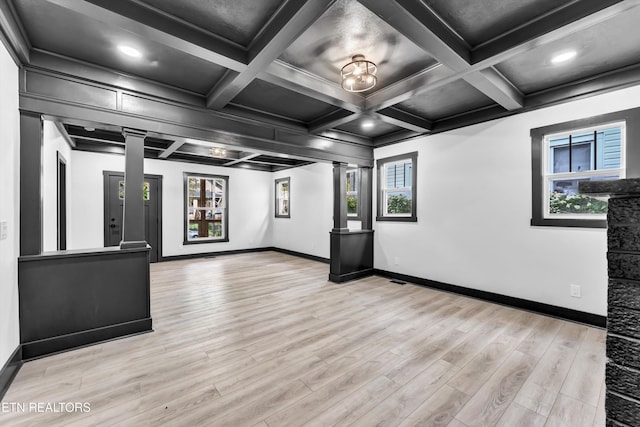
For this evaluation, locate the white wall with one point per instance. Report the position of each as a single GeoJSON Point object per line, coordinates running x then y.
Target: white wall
{"type": "Point", "coordinates": [53, 142]}
{"type": "Point", "coordinates": [307, 231]}
{"type": "Point", "coordinates": [10, 205]}
{"type": "Point", "coordinates": [474, 211]}
{"type": "Point", "coordinates": [250, 204]}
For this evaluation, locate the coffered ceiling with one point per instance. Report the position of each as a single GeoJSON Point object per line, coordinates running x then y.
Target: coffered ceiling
{"type": "Point", "coordinates": [442, 64]}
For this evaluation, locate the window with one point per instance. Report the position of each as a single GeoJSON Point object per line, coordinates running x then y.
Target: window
{"type": "Point", "coordinates": [397, 188]}
{"type": "Point", "coordinates": [206, 208]}
{"type": "Point", "coordinates": [353, 196]}
{"type": "Point", "coordinates": [566, 154]}
{"type": "Point", "coordinates": [283, 191]}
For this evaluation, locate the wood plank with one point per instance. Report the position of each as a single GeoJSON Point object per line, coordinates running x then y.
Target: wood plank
{"type": "Point", "coordinates": [488, 405]}
{"type": "Point", "coordinates": [439, 410]}
{"type": "Point", "coordinates": [570, 412]}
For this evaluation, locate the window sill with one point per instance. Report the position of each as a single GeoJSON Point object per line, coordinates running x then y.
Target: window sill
{"type": "Point", "coordinates": [569, 222]}
{"type": "Point", "coordinates": [197, 242]}
{"type": "Point", "coordinates": [397, 218]}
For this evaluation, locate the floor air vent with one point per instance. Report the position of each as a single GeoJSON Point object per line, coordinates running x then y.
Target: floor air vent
{"type": "Point", "coordinates": [399, 282]}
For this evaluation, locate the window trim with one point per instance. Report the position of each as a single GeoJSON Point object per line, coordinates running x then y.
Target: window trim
{"type": "Point", "coordinates": [631, 156]}
{"type": "Point", "coordinates": [358, 215]}
{"type": "Point", "coordinates": [380, 163]}
{"type": "Point", "coordinates": [278, 181]}
{"type": "Point", "coordinates": [185, 209]}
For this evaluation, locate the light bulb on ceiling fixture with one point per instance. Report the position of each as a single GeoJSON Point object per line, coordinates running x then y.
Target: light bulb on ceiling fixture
{"type": "Point", "coordinates": [368, 124]}
{"type": "Point", "coordinates": [358, 75]}
{"type": "Point", "coordinates": [217, 152]}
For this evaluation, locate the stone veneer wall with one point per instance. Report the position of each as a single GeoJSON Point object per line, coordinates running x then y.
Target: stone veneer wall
{"type": "Point", "coordinates": [622, 402]}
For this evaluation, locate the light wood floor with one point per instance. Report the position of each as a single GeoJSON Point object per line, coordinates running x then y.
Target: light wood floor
{"type": "Point", "coordinates": [265, 340]}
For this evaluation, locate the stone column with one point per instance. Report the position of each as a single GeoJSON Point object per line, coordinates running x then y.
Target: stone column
{"type": "Point", "coordinates": [622, 402]}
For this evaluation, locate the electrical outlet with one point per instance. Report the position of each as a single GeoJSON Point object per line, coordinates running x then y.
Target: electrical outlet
{"type": "Point", "coordinates": [3, 230]}
{"type": "Point", "coordinates": [574, 291]}
{"type": "Point", "coordinates": [396, 260]}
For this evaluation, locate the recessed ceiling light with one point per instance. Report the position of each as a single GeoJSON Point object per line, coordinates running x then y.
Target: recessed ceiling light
{"type": "Point", "coordinates": [130, 51]}
{"type": "Point", "coordinates": [564, 57]}
{"type": "Point", "coordinates": [89, 128]}
{"type": "Point", "coordinates": [368, 124]}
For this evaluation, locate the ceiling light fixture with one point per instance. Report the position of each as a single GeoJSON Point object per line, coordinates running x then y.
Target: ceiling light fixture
{"type": "Point", "coordinates": [359, 74]}
{"type": "Point", "coordinates": [217, 152]}
{"type": "Point", "coordinates": [130, 51]}
{"type": "Point", "coordinates": [564, 57]}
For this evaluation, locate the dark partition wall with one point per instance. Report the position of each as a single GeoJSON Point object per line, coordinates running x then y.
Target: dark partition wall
{"type": "Point", "coordinates": [74, 298]}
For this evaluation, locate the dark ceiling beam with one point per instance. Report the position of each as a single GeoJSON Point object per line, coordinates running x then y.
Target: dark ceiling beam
{"type": "Point", "coordinates": [147, 22]}
{"type": "Point", "coordinates": [497, 87]}
{"type": "Point", "coordinates": [346, 136]}
{"type": "Point", "coordinates": [428, 79]}
{"type": "Point", "coordinates": [243, 157]}
{"type": "Point", "coordinates": [285, 75]}
{"type": "Point", "coordinates": [291, 20]}
{"type": "Point", "coordinates": [332, 120]}
{"type": "Point", "coordinates": [405, 120]}
{"type": "Point", "coordinates": [258, 116]}
{"type": "Point", "coordinates": [596, 85]}
{"type": "Point", "coordinates": [423, 27]}
{"type": "Point", "coordinates": [574, 17]}
{"type": "Point", "coordinates": [105, 76]}
{"type": "Point", "coordinates": [175, 145]}
{"type": "Point", "coordinates": [394, 137]}
{"type": "Point", "coordinates": [64, 133]}
{"type": "Point", "coordinates": [57, 97]}
{"type": "Point", "coordinates": [416, 21]}
{"type": "Point", "coordinates": [12, 34]}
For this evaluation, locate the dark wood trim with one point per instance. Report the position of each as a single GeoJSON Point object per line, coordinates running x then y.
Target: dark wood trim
{"type": "Point", "coordinates": [105, 194]}
{"type": "Point", "coordinates": [414, 184]}
{"type": "Point", "coordinates": [13, 35]}
{"type": "Point", "coordinates": [54, 94]}
{"type": "Point", "coordinates": [340, 216]}
{"type": "Point", "coordinates": [631, 117]}
{"type": "Point", "coordinates": [534, 306]}
{"type": "Point", "coordinates": [213, 254]}
{"type": "Point", "coordinates": [30, 183]}
{"type": "Point", "coordinates": [278, 181]}
{"type": "Point", "coordinates": [346, 277]}
{"type": "Point", "coordinates": [10, 370]}
{"type": "Point", "coordinates": [301, 255]}
{"type": "Point", "coordinates": [244, 251]}
{"type": "Point", "coordinates": [185, 177]}
{"type": "Point", "coordinates": [61, 203]}
{"type": "Point", "coordinates": [358, 214]}
{"type": "Point", "coordinates": [59, 344]}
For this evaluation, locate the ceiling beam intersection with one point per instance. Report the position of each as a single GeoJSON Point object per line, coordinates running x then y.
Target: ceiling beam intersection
{"type": "Point", "coordinates": [291, 20]}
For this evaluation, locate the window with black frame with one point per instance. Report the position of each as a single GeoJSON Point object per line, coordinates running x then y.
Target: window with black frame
{"type": "Point", "coordinates": [397, 188]}
{"type": "Point", "coordinates": [565, 154]}
{"type": "Point", "coordinates": [206, 208]}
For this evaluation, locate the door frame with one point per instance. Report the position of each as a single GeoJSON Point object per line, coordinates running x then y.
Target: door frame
{"type": "Point", "coordinates": [106, 174]}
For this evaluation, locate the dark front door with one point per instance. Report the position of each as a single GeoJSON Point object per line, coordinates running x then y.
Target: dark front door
{"type": "Point", "coordinates": [113, 212]}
